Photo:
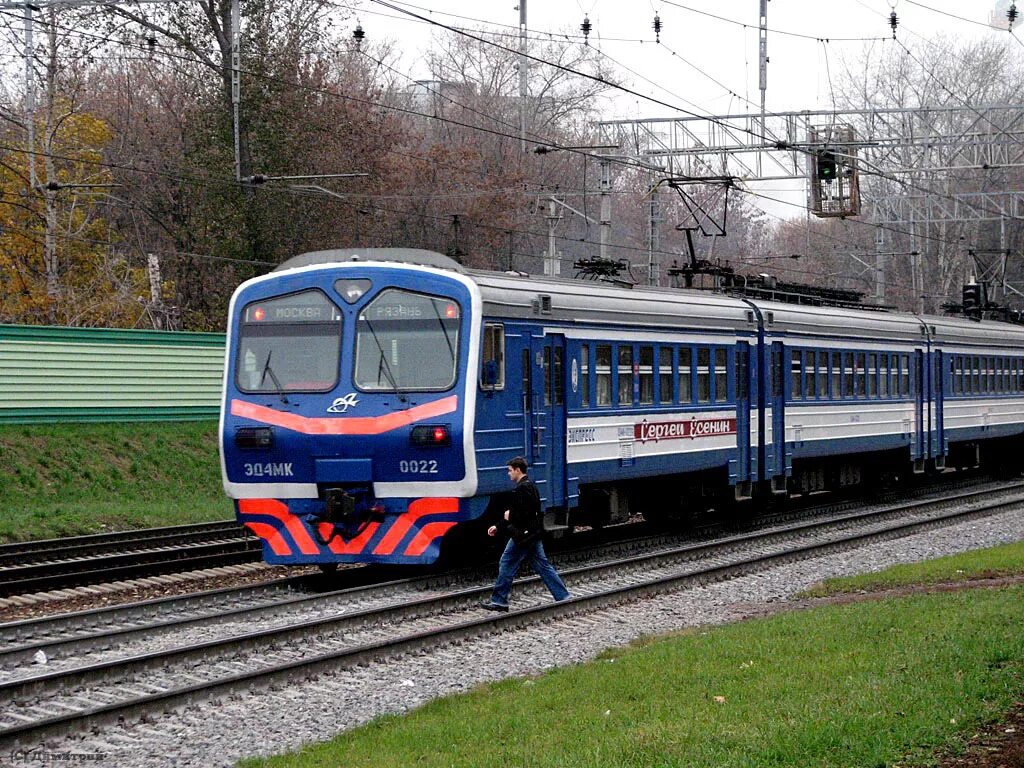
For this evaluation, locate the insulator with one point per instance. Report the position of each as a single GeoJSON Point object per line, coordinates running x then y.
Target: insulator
{"type": "Point", "coordinates": [358, 34]}
{"type": "Point", "coordinates": [1011, 14]}
{"type": "Point", "coordinates": [893, 22]}
{"type": "Point", "coordinates": [586, 27]}
{"type": "Point", "coordinates": [657, 28]}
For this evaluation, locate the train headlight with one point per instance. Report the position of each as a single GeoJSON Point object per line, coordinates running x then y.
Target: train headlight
{"type": "Point", "coordinates": [427, 435]}
{"type": "Point", "coordinates": [254, 437]}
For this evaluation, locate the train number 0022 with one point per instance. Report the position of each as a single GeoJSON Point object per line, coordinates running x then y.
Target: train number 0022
{"type": "Point", "coordinates": [419, 467]}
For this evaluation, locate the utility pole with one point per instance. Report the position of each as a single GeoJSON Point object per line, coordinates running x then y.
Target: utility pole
{"type": "Point", "coordinates": [523, 71]}
{"type": "Point", "coordinates": [763, 67]}
{"type": "Point", "coordinates": [606, 204]}
{"type": "Point", "coordinates": [552, 266]}
{"type": "Point", "coordinates": [654, 236]}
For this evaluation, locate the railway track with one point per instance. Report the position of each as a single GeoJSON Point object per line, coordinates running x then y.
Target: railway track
{"type": "Point", "coordinates": [37, 566]}
{"type": "Point", "coordinates": [137, 666]}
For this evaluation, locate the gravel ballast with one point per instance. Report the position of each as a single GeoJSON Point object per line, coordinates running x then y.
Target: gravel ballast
{"type": "Point", "coordinates": [270, 722]}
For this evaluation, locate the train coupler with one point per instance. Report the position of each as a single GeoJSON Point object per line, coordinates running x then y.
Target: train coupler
{"type": "Point", "coordinates": [348, 513]}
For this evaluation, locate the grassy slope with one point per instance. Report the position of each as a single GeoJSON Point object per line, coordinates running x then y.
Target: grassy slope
{"type": "Point", "coordinates": [89, 478]}
{"type": "Point", "coordinates": [877, 683]}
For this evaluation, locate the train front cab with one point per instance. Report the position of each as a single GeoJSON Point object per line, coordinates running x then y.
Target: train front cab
{"type": "Point", "coordinates": [347, 422]}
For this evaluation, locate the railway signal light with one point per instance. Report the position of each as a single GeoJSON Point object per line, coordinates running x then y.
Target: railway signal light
{"type": "Point", "coordinates": [972, 298]}
{"type": "Point", "coordinates": [827, 166]}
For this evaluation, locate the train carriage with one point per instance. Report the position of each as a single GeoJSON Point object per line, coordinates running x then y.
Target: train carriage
{"type": "Point", "coordinates": [373, 396]}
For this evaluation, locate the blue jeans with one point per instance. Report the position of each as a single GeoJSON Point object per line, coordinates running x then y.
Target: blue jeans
{"type": "Point", "coordinates": [513, 557]}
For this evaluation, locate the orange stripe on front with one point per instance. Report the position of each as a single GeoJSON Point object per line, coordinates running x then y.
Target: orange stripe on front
{"type": "Point", "coordinates": [417, 509]}
{"type": "Point", "coordinates": [427, 534]}
{"type": "Point", "coordinates": [356, 545]}
{"type": "Point", "coordinates": [272, 536]}
{"type": "Point", "coordinates": [274, 508]}
{"type": "Point", "coordinates": [358, 425]}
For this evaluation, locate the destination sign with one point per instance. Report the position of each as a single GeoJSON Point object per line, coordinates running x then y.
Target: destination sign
{"type": "Point", "coordinates": [305, 307]}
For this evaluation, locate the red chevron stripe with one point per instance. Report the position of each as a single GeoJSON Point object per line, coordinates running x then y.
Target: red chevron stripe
{"type": "Point", "coordinates": [354, 546]}
{"type": "Point", "coordinates": [357, 425]}
{"type": "Point", "coordinates": [272, 536]}
{"type": "Point", "coordinates": [274, 508]}
{"type": "Point", "coordinates": [425, 535]}
{"type": "Point", "coordinates": [417, 509]}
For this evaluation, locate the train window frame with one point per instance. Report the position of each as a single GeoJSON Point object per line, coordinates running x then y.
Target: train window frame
{"type": "Point", "coordinates": [666, 394]}
{"type": "Point", "coordinates": [860, 375]}
{"type": "Point", "coordinates": [685, 373]}
{"type": "Point", "coordinates": [455, 342]}
{"type": "Point", "coordinates": [872, 376]}
{"type": "Point", "coordinates": [497, 330]}
{"type": "Point", "coordinates": [883, 375]}
{"type": "Point", "coordinates": [848, 372]}
{"type": "Point", "coordinates": [796, 374]}
{"type": "Point", "coordinates": [703, 369]}
{"type": "Point", "coordinates": [835, 378]}
{"type": "Point", "coordinates": [296, 324]}
{"type": "Point", "coordinates": [906, 386]}
{"type": "Point", "coordinates": [603, 375]}
{"type": "Point", "coordinates": [645, 372]}
{"type": "Point", "coordinates": [624, 396]}
{"type": "Point", "coordinates": [720, 378]}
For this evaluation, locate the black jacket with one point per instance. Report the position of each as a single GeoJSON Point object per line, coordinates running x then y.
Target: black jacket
{"type": "Point", "coordinates": [525, 524]}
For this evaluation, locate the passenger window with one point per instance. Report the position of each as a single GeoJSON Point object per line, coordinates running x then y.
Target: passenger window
{"type": "Point", "coordinates": [822, 374]}
{"type": "Point", "coordinates": [883, 375]}
{"type": "Point", "coordinates": [872, 375]}
{"type": "Point", "coordinates": [861, 376]}
{"type": "Point", "coordinates": [664, 375]}
{"type": "Point", "coordinates": [847, 374]}
{"type": "Point", "coordinates": [547, 375]}
{"type": "Point", "coordinates": [625, 375]}
{"type": "Point", "coordinates": [646, 375]}
{"type": "Point", "coordinates": [904, 374]}
{"type": "Point", "coordinates": [837, 375]}
{"type": "Point", "coordinates": [585, 375]}
{"type": "Point", "coordinates": [492, 367]}
{"type": "Point", "coordinates": [703, 375]}
{"type": "Point", "coordinates": [685, 375]}
{"type": "Point", "coordinates": [603, 369]}
{"type": "Point", "coordinates": [558, 375]}
{"type": "Point", "coordinates": [797, 375]}
{"type": "Point", "coordinates": [721, 376]}
{"type": "Point", "coordinates": [811, 376]}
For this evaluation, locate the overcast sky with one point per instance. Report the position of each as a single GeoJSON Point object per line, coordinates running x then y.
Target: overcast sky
{"type": "Point", "coordinates": [708, 57]}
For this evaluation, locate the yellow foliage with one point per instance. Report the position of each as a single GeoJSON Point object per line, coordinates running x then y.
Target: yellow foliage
{"type": "Point", "coordinates": [94, 284]}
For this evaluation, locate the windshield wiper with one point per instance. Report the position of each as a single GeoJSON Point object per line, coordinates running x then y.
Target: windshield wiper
{"type": "Point", "coordinates": [383, 364]}
{"type": "Point", "coordinates": [447, 338]}
{"type": "Point", "coordinates": [267, 369]}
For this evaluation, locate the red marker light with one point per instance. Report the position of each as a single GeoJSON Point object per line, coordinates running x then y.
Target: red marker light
{"type": "Point", "coordinates": [440, 434]}
{"type": "Point", "coordinates": [451, 311]}
{"type": "Point", "coordinates": [259, 314]}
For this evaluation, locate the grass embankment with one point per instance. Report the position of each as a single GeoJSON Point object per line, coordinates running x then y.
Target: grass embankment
{"type": "Point", "coordinates": [874, 683]}
{"type": "Point", "coordinates": [91, 478]}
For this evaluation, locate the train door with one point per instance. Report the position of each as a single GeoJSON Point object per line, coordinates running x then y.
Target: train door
{"type": "Point", "coordinates": [550, 461]}
{"type": "Point", "coordinates": [742, 375]}
{"type": "Point", "coordinates": [780, 454]}
{"type": "Point", "coordinates": [921, 412]}
{"type": "Point", "coordinates": [938, 397]}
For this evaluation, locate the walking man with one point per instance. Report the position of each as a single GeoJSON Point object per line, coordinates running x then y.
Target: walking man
{"type": "Point", "coordinates": [524, 524]}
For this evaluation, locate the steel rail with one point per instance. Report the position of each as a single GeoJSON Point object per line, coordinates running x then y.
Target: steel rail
{"type": "Point", "coordinates": [460, 630]}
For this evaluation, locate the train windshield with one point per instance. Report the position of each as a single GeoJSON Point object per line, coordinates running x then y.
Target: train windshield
{"type": "Point", "coordinates": [289, 344]}
{"type": "Point", "coordinates": [407, 341]}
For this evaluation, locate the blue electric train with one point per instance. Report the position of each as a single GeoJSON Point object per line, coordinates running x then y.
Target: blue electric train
{"type": "Point", "coordinates": [373, 396]}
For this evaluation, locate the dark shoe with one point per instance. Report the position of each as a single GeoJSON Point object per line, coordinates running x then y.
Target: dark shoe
{"type": "Point", "coordinates": [489, 606]}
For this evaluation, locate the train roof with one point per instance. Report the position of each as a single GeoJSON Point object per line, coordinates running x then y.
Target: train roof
{"type": "Point", "coordinates": [576, 301]}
